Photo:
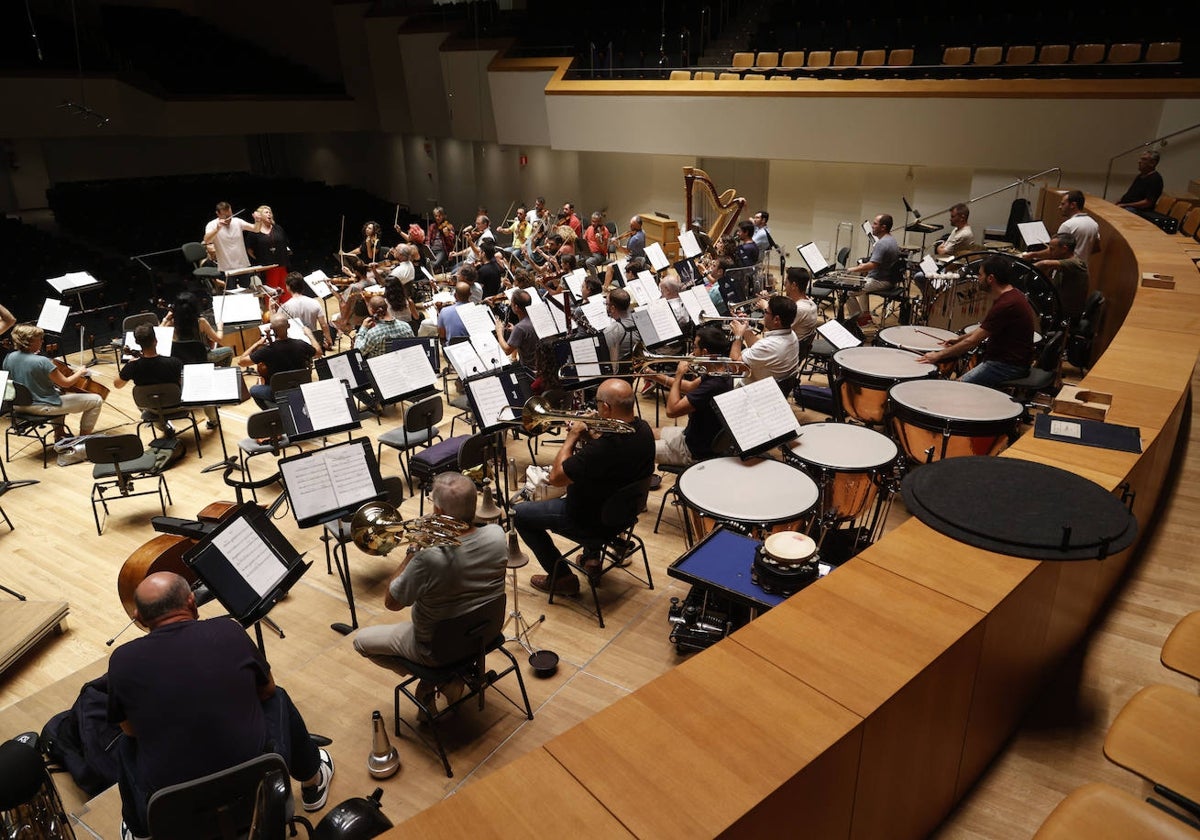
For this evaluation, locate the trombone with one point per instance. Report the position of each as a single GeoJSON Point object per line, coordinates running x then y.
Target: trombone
{"type": "Point", "coordinates": [642, 362]}
{"type": "Point", "coordinates": [727, 319]}
{"type": "Point", "coordinates": [537, 416]}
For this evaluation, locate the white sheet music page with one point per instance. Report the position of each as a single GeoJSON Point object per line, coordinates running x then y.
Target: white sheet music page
{"type": "Point", "coordinates": [585, 357]}
{"type": "Point", "coordinates": [464, 359]}
{"type": "Point", "coordinates": [4, 395]}
{"type": "Point", "coordinates": [657, 257]}
{"type": "Point", "coordinates": [251, 556]}
{"type": "Point", "coordinates": [838, 336]}
{"type": "Point", "coordinates": [326, 403]}
{"type": "Point", "coordinates": [574, 281]}
{"type": "Point", "coordinates": [236, 309]}
{"type": "Point", "coordinates": [757, 413]}
{"type": "Point", "coordinates": [558, 311]}
{"type": "Point", "coordinates": [318, 281]}
{"type": "Point", "coordinates": [71, 280]}
{"type": "Point", "coordinates": [697, 302]}
{"type": "Point", "coordinates": [340, 368]}
{"type": "Point", "coordinates": [812, 256]}
{"type": "Point", "coordinates": [54, 316]}
{"type": "Point", "coordinates": [543, 322]}
{"type": "Point", "coordinates": [687, 241]}
{"type": "Point", "coordinates": [929, 265]}
{"type": "Point", "coordinates": [478, 320]}
{"type": "Point", "coordinates": [206, 383]}
{"type": "Point", "coordinates": [402, 371]}
{"type": "Point", "coordinates": [328, 480]}
{"type": "Point", "coordinates": [596, 312]}
{"type": "Point", "coordinates": [491, 400]}
{"type": "Point", "coordinates": [489, 352]}
{"type": "Point", "coordinates": [662, 317]}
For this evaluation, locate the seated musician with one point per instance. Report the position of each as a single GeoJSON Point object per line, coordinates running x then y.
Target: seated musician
{"type": "Point", "coordinates": [405, 269]}
{"type": "Point", "coordinates": [305, 309]}
{"type": "Point", "coordinates": [520, 230]}
{"type": "Point", "coordinates": [592, 287]}
{"type": "Point", "coordinates": [371, 250]}
{"type": "Point", "coordinates": [489, 272]}
{"type": "Point", "coordinates": [716, 284]}
{"type": "Point", "coordinates": [150, 368]}
{"type": "Point", "coordinates": [1067, 273]}
{"type": "Point", "coordinates": [962, 239]}
{"type": "Point", "coordinates": [196, 697]}
{"type": "Point", "coordinates": [808, 314]}
{"type": "Point", "coordinates": [523, 340]}
{"type": "Point", "coordinates": [7, 321]}
{"type": "Point", "coordinates": [449, 323]}
{"type": "Point", "coordinates": [746, 256]}
{"type": "Point", "coordinates": [190, 325]}
{"type": "Point", "coordinates": [621, 335]}
{"type": "Point", "coordinates": [636, 246]}
{"type": "Point", "coordinates": [401, 303]}
{"type": "Point", "coordinates": [1007, 329]}
{"type": "Point", "coordinates": [670, 288]}
{"type": "Point", "coordinates": [439, 583]}
{"type": "Point", "coordinates": [380, 328]}
{"type": "Point", "coordinates": [879, 269]}
{"type": "Point", "coordinates": [42, 377]}
{"type": "Point", "coordinates": [277, 352]}
{"type": "Point", "coordinates": [773, 354]}
{"type": "Point", "coordinates": [591, 475]}
{"type": "Point", "coordinates": [693, 398]}
{"type": "Point", "coordinates": [351, 311]}
{"type": "Point", "coordinates": [596, 236]}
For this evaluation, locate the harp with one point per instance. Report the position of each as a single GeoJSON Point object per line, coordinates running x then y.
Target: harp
{"type": "Point", "coordinates": [721, 211]}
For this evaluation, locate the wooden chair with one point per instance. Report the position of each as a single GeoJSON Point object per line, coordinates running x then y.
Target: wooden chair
{"type": "Point", "coordinates": [900, 58]}
{"type": "Point", "coordinates": [1054, 54]}
{"type": "Point", "coordinates": [987, 56]}
{"type": "Point", "coordinates": [845, 58]}
{"type": "Point", "coordinates": [704, 75]}
{"type": "Point", "coordinates": [819, 58]}
{"type": "Point", "coordinates": [1099, 810]}
{"type": "Point", "coordinates": [1157, 736]}
{"type": "Point", "coordinates": [767, 60]}
{"type": "Point", "coordinates": [1191, 222]}
{"type": "Point", "coordinates": [1020, 55]}
{"type": "Point", "coordinates": [1165, 203]}
{"type": "Point", "coordinates": [1181, 650]}
{"type": "Point", "coordinates": [1179, 209]}
{"type": "Point", "coordinates": [792, 59]}
{"type": "Point", "coordinates": [681, 75]}
{"type": "Point", "coordinates": [1124, 53]}
{"type": "Point", "coordinates": [743, 59]}
{"type": "Point", "coordinates": [956, 56]}
{"type": "Point", "coordinates": [1161, 51]}
{"type": "Point", "coordinates": [1088, 54]}
{"type": "Point", "coordinates": [873, 58]}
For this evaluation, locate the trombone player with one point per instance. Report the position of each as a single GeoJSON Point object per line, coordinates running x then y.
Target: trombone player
{"type": "Point", "coordinates": [693, 398]}
{"type": "Point", "coordinates": [591, 474]}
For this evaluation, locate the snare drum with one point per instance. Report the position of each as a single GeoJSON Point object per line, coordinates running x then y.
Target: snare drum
{"type": "Point", "coordinates": [943, 419]}
{"type": "Point", "coordinates": [846, 461]}
{"type": "Point", "coordinates": [760, 496]}
{"type": "Point", "coordinates": [864, 375]}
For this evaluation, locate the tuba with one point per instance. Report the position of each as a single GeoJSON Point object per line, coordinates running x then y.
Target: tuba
{"type": "Point", "coordinates": [701, 196]}
{"type": "Point", "coordinates": [378, 527]}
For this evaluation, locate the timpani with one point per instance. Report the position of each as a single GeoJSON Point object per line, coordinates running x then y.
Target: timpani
{"type": "Point", "coordinates": [848, 463]}
{"type": "Point", "coordinates": [862, 377]}
{"type": "Point", "coordinates": [759, 496]}
{"type": "Point", "coordinates": [939, 419]}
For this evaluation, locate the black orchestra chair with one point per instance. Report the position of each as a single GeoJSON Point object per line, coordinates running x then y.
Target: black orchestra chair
{"type": "Point", "coordinates": [464, 641]}
{"type": "Point", "coordinates": [1044, 376]}
{"type": "Point", "coordinates": [23, 424]}
{"type": "Point", "coordinates": [222, 805]}
{"type": "Point", "coordinates": [160, 406]}
{"type": "Point", "coordinates": [286, 380]}
{"type": "Point", "coordinates": [208, 275]}
{"type": "Point", "coordinates": [119, 460]}
{"type": "Point", "coordinates": [419, 431]}
{"type": "Point", "coordinates": [618, 517]}
{"type": "Point", "coordinates": [264, 435]}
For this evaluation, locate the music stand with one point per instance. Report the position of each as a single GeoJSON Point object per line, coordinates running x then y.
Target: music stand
{"type": "Point", "coordinates": [496, 400]}
{"type": "Point", "coordinates": [656, 324]}
{"type": "Point", "coordinates": [248, 565]}
{"type": "Point", "coordinates": [586, 356]}
{"type": "Point", "coordinates": [77, 283]}
{"type": "Point", "coordinates": [758, 417]}
{"type": "Point", "coordinates": [317, 409]}
{"type": "Point", "coordinates": [402, 374]}
{"type": "Point", "coordinates": [205, 384]}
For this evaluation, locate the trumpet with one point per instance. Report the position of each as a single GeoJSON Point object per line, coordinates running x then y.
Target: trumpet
{"type": "Point", "coordinates": [726, 319]}
{"type": "Point", "coordinates": [536, 416]}
{"type": "Point", "coordinates": [700, 365]}
{"type": "Point", "coordinates": [378, 527]}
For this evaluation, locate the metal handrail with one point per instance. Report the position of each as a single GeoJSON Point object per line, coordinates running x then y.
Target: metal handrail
{"type": "Point", "coordinates": [1026, 180]}
{"type": "Point", "coordinates": [1140, 147]}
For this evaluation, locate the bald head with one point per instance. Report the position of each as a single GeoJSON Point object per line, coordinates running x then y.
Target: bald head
{"type": "Point", "coordinates": [462, 292]}
{"type": "Point", "coordinates": [617, 394]}
{"type": "Point", "coordinates": [163, 597]}
{"type": "Point", "coordinates": [280, 324]}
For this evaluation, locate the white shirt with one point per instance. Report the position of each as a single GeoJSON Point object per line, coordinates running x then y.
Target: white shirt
{"type": "Point", "coordinates": [304, 309]}
{"type": "Point", "coordinates": [808, 318]}
{"type": "Point", "coordinates": [404, 272]}
{"type": "Point", "coordinates": [1086, 232]}
{"type": "Point", "coordinates": [231, 248]}
{"type": "Point", "coordinates": [775, 356]}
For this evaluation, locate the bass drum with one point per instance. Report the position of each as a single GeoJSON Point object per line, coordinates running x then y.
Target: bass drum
{"type": "Point", "coordinates": [944, 419]}
{"type": "Point", "coordinates": [862, 376]}
{"type": "Point", "coordinates": [963, 302]}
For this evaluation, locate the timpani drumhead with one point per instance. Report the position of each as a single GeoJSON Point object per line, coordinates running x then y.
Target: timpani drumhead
{"type": "Point", "coordinates": [788, 548]}
{"type": "Point", "coordinates": [756, 491]}
{"type": "Point", "coordinates": [843, 447]}
{"type": "Point", "coordinates": [970, 328]}
{"type": "Point", "coordinates": [954, 400]}
{"type": "Point", "coordinates": [883, 363]}
{"type": "Point", "coordinates": [916, 339]}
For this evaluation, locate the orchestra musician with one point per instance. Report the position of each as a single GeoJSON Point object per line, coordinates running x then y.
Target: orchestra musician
{"type": "Point", "coordinates": [7, 321]}
{"type": "Point", "coordinates": [380, 327]}
{"type": "Point", "coordinates": [879, 268]}
{"type": "Point", "coordinates": [962, 239]}
{"type": "Point", "coordinates": [449, 323]}
{"type": "Point", "coordinates": [636, 246]}
{"type": "Point", "coordinates": [371, 250]}
{"type": "Point", "coordinates": [277, 352]}
{"type": "Point", "coordinates": [44, 380]}
{"type": "Point", "coordinates": [475, 237]}
{"type": "Point", "coordinates": [1007, 329]}
{"type": "Point", "coordinates": [775, 352]}
{"type": "Point", "coordinates": [1077, 223]}
{"type": "Point", "coordinates": [269, 246]}
{"type": "Point", "coordinates": [191, 326]}
{"type": "Point", "coordinates": [808, 314]}
{"type": "Point", "coordinates": [405, 269]}
{"type": "Point", "coordinates": [150, 368]}
{"type": "Point", "coordinates": [523, 340]}
{"type": "Point", "coordinates": [621, 335]}
{"type": "Point", "coordinates": [569, 218]}
{"type": "Point", "coordinates": [591, 473]}
{"type": "Point", "coordinates": [520, 230]}
{"type": "Point", "coordinates": [693, 398]}
{"type": "Point", "coordinates": [490, 270]}
{"type": "Point", "coordinates": [224, 235]}
{"type": "Point", "coordinates": [596, 236]}
{"type": "Point", "coordinates": [439, 237]}
{"type": "Point", "coordinates": [307, 310]}
{"type": "Point", "coordinates": [1066, 272]}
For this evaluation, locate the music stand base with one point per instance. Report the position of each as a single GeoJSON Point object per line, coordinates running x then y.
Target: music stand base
{"type": "Point", "coordinates": [343, 628]}
{"type": "Point", "coordinates": [12, 592]}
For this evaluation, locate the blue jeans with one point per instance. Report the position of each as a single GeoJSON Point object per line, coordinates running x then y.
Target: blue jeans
{"type": "Point", "coordinates": [992, 374]}
{"type": "Point", "coordinates": [535, 521]}
{"type": "Point", "coordinates": [263, 395]}
{"type": "Point", "coordinates": [286, 735]}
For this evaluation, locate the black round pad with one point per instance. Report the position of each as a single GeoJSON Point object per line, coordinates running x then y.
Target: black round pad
{"type": "Point", "coordinates": [1020, 508]}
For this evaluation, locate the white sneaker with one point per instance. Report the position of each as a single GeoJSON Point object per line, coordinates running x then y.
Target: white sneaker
{"type": "Point", "coordinates": [314, 797]}
{"type": "Point", "coordinates": [126, 834]}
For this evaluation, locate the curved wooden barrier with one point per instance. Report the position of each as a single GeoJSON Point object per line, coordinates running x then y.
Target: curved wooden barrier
{"type": "Point", "coordinates": [866, 705]}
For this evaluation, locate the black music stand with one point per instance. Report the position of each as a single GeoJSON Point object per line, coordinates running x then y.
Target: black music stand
{"type": "Point", "coordinates": [301, 420]}
{"type": "Point", "coordinates": [248, 565]}
{"type": "Point", "coordinates": [403, 374]}
{"type": "Point", "coordinates": [758, 417]}
{"type": "Point", "coordinates": [205, 385]}
{"type": "Point", "coordinates": [923, 228]}
{"type": "Point", "coordinates": [493, 395]}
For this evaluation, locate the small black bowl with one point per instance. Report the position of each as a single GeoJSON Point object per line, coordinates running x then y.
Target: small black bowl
{"type": "Point", "coordinates": [544, 663]}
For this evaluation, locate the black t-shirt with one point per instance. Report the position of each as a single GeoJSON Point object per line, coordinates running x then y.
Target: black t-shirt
{"type": "Point", "coordinates": [704, 422]}
{"type": "Point", "coordinates": [603, 466]}
{"type": "Point", "coordinates": [156, 370]}
{"type": "Point", "coordinates": [285, 354]}
{"type": "Point", "coordinates": [488, 274]}
{"type": "Point", "coordinates": [190, 692]}
{"type": "Point", "coordinates": [1009, 324]}
{"type": "Point", "coordinates": [1144, 186]}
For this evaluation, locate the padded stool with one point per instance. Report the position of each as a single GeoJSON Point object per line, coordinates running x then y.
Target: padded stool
{"type": "Point", "coordinates": [439, 458]}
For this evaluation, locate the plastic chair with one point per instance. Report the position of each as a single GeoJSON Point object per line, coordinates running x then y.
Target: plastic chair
{"type": "Point", "coordinates": [873, 58]}
{"type": "Point", "coordinates": [208, 275]}
{"type": "Point", "coordinates": [681, 75]}
{"type": "Point", "coordinates": [1044, 376]}
{"type": "Point", "coordinates": [1181, 650]}
{"type": "Point", "coordinates": [729, 77]}
{"type": "Point", "coordinates": [753, 77]}
{"type": "Point", "coordinates": [819, 58]}
{"type": "Point", "coordinates": [464, 642]}
{"type": "Point", "coordinates": [1098, 810]}
{"type": "Point", "coordinates": [1157, 736]}
{"type": "Point", "coordinates": [267, 427]}
{"type": "Point", "coordinates": [767, 60]}
{"type": "Point", "coordinates": [118, 460]}
{"type": "Point", "coordinates": [160, 404]}
{"type": "Point", "coordinates": [792, 59]}
{"type": "Point", "coordinates": [845, 58]}
{"type": "Point", "coordinates": [704, 76]}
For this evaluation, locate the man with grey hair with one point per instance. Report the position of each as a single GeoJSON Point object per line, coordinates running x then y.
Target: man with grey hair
{"type": "Point", "coordinates": [439, 583]}
{"type": "Point", "coordinates": [1066, 272]}
{"type": "Point", "coordinates": [1147, 186]}
{"type": "Point", "coordinates": [276, 352]}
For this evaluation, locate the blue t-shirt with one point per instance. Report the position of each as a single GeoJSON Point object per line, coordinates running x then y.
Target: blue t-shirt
{"type": "Point", "coordinates": [33, 371]}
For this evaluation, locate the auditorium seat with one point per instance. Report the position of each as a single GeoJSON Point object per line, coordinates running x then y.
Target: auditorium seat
{"type": "Point", "coordinates": [819, 58]}
{"type": "Point", "coordinates": [845, 58]}
{"type": "Point", "coordinates": [767, 60]}
{"type": "Point", "coordinates": [900, 58]}
{"type": "Point", "coordinates": [743, 59]}
{"type": "Point", "coordinates": [1088, 54]}
{"type": "Point", "coordinates": [1054, 54]}
{"type": "Point", "coordinates": [1161, 51]}
{"type": "Point", "coordinates": [1164, 204]}
{"type": "Point", "coordinates": [729, 77]}
{"type": "Point", "coordinates": [704, 75]}
{"type": "Point", "coordinates": [793, 58]}
{"type": "Point", "coordinates": [956, 56]}
{"type": "Point", "coordinates": [1020, 55]}
{"type": "Point", "coordinates": [873, 58]}
{"type": "Point", "coordinates": [681, 75]}
{"type": "Point", "coordinates": [1181, 650]}
{"type": "Point", "coordinates": [753, 77]}
{"type": "Point", "coordinates": [1099, 810]}
{"type": "Point", "coordinates": [1191, 222]}
{"type": "Point", "coordinates": [987, 56]}
{"type": "Point", "coordinates": [1124, 53]}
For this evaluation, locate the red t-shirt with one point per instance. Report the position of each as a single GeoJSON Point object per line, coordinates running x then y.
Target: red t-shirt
{"type": "Point", "coordinates": [1009, 325]}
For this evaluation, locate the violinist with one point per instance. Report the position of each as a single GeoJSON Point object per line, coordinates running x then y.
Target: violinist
{"type": "Point", "coordinates": [440, 238]}
{"type": "Point", "coordinates": [404, 271]}
{"type": "Point", "coordinates": [43, 378]}
{"type": "Point", "coordinates": [490, 270]}
{"type": "Point", "coordinates": [569, 218]}
{"type": "Point", "coordinates": [150, 368]}
{"type": "Point", "coordinates": [276, 352]}
{"type": "Point", "coordinates": [475, 236]}
{"type": "Point", "coordinates": [520, 230]}
{"type": "Point", "coordinates": [596, 237]}
{"type": "Point", "coordinates": [307, 310]}
{"type": "Point", "coordinates": [371, 250]}
{"type": "Point", "coordinates": [352, 309]}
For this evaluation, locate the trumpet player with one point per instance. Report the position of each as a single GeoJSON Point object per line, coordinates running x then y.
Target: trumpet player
{"type": "Point", "coordinates": [693, 398]}
{"type": "Point", "coordinates": [591, 475]}
{"type": "Point", "coordinates": [439, 583]}
{"type": "Point", "coordinates": [774, 353]}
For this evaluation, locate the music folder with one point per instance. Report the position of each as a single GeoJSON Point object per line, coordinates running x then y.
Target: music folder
{"type": "Point", "coordinates": [331, 483]}
{"type": "Point", "coordinates": [350, 367]}
{"type": "Point", "coordinates": [758, 417]}
{"type": "Point", "coordinates": [246, 563]}
{"type": "Point", "coordinates": [401, 374]}
{"type": "Point", "coordinates": [496, 399]}
{"type": "Point", "coordinates": [317, 409]}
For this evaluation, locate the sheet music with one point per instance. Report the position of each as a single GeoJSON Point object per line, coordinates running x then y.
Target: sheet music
{"type": "Point", "coordinates": [574, 281]}
{"type": "Point", "coordinates": [657, 257]}
{"type": "Point", "coordinates": [165, 336]}
{"type": "Point", "coordinates": [656, 322]}
{"type": "Point", "coordinates": [757, 414]}
{"type": "Point", "coordinates": [619, 272]}
{"type": "Point", "coordinates": [929, 265]}
{"type": "Point", "coordinates": [340, 368]}
{"type": "Point", "coordinates": [544, 324]}
{"type": "Point", "coordinates": [697, 302]}
{"type": "Point", "coordinates": [687, 241]}
{"type": "Point", "coordinates": [489, 352]}
{"type": "Point", "coordinates": [837, 335]}
{"type": "Point", "coordinates": [813, 258]}
{"type": "Point", "coordinates": [478, 320]}
{"type": "Point", "coordinates": [464, 359]}
{"type": "Point", "coordinates": [251, 556]}
{"type": "Point", "coordinates": [1034, 233]}
{"type": "Point", "coordinates": [72, 280]}
{"type": "Point", "coordinates": [54, 316]}
{"type": "Point", "coordinates": [558, 312]}
{"type": "Point", "coordinates": [491, 401]}
{"type": "Point", "coordinates": [236, 309]}
{"type": "Point", "coordinates": [402, 372]}
{"type": "Point", "coordinates": [596, 312]}
{"type": "Point", "coordinates": [318, 281]}
{"type": "Point", "coordinates": [644, 288]}
{"type": "Point", "coordinates": [206, 384]}
{"type": "Point", "coordinates": [4, 395]}
{"type": "Point", "coordinates": [328, 480]}
{"type": "Point", "coordinates": [587, 361]}
{"type": "Point", "coordinates": [326, 404]}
